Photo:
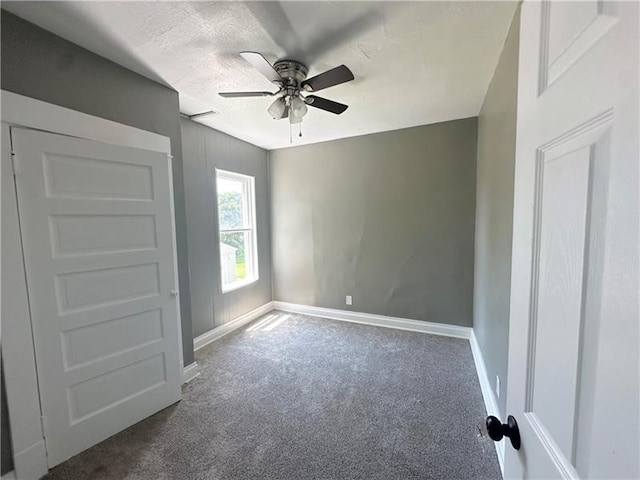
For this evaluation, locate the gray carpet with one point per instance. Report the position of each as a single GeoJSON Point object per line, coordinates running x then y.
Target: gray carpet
{"type": "Point", "coordinates": [299, 397]}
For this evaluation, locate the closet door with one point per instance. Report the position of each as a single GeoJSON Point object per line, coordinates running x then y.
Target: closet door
{"type": "Point", "coordinates": [96, 226]}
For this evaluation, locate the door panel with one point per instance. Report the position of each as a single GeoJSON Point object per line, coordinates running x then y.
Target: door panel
{"type": "Point", "coordinates": [574, 334]}
{"type": "Point", "coordinates": [81, 234]}
{"type": "Point", "coordinates": [86, 177]}
{"type": "Point", "coordinates": [559, 292]}
{"type": "Point", "coordinates": [569, 30]}
{"type": "Point", "coordinates": [96, 228]}
{"type": "Point", "coordinates": [97, 340]}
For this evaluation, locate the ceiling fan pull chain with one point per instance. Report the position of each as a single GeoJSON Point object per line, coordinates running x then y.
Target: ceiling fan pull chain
{"type": "Point", "coordinates": [300, 134]}
{"type": "Point", "coordinates": [290, 134]}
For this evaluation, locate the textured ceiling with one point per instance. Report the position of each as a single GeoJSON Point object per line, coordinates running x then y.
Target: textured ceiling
{"type": "Point", "coordinates": [414, 63]}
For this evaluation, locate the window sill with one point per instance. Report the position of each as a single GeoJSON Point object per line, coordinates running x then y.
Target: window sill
{"type": "Point", "coordinates": [238, 285]}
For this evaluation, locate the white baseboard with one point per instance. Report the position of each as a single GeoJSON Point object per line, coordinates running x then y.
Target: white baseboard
{"type": "Point", "coordinates": [190, 372]}
{"type": "Point", "coordinates": [377, 320]}
{"type": "Point", "coordinates": [219, 332]}
{"type": "Point", "coordinates": [490, 401]}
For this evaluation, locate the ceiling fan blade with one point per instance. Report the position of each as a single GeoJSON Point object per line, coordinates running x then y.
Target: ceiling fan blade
{"type": "Point", "coordinates": [262, 65]}
{"type": "Point", "coordinates": [245, 94]}
{"type": "Point", "coordinates": [324, 104]}
{"type": "Point", "coordinates": [332, 77]}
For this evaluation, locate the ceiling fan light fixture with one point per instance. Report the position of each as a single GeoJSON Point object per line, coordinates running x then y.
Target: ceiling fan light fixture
{"type": "Point", "coordinates": [294, 119]}
{"type": "Point", "coordinates": [276, 110]}
{"type": "Point", "coordinates": [298, 108]}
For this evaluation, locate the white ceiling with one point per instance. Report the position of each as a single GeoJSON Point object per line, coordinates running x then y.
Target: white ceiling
{"type": "Point", "coordinates": [415, 63]}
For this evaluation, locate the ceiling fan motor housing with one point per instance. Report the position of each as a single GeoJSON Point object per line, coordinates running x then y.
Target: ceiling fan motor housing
{"type": "Point", "coordinates": [292, 72]}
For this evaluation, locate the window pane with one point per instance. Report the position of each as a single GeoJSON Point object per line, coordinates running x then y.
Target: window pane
{"type": "Point", "coordinates": [235, 257]}
{"type": "Point", "coordinates": [232, 207]}
{"type": "Point", "coordinates": [236, 217]}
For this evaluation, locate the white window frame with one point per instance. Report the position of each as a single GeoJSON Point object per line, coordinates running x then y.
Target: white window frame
{"type": "Point", "coordinates": [250, 189]}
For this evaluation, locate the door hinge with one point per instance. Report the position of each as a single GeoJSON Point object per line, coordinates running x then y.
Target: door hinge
{"type": "Point", "coordinates": [14, 162]}
{"type": "Point", "coordinates": [174, 293]}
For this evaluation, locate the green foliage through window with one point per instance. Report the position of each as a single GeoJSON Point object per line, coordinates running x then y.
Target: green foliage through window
{"type": "Point", "coordinates": [230, 211]}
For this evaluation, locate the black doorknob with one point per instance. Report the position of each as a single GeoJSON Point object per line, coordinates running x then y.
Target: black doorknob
{"type": "Point", "coordinates": [497, 430]}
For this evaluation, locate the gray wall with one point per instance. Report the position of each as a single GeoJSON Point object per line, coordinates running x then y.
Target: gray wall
{"type": "Point", "coordinates": [204, 150]}
{"type": "Point", "coordinates": [494, 213]}
{"type": "Point", "coordinates": [387, 218]}
{"type": "Point", "coordinates": [38, 64]}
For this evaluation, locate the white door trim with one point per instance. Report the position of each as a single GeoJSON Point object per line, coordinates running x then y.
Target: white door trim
{"type": "Point", "coordinates": [17, 349]}
{"type": "Point", "coordinates": [490, 400]}
{"type": "Point", "coordinates": [39, 115]}
{"type": "Point", "coordinates": [9, 475]}
{"type": "Point", "coordinates": [190, 372]}
{"type": "Point", "coordinates": [20, 375]}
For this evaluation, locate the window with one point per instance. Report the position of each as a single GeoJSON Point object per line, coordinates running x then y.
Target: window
{"type": "Point", "coordinates": [237, 222]}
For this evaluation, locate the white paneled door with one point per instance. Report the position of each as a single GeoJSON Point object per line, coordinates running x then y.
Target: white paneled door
{"type": "Point", "coordinates": [574, 334]}
{"type": "Point", "coordinates": [96, 225]}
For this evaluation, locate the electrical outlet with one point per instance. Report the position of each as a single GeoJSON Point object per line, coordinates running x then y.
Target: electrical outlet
{"type": "Point", "coordinates": [498, 385]}
{"type": "Point", "coordinates": [349, 300]}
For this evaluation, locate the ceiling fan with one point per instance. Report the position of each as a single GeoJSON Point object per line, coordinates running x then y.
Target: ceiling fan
{"type": "Point", "coordinates": [291, 78]}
